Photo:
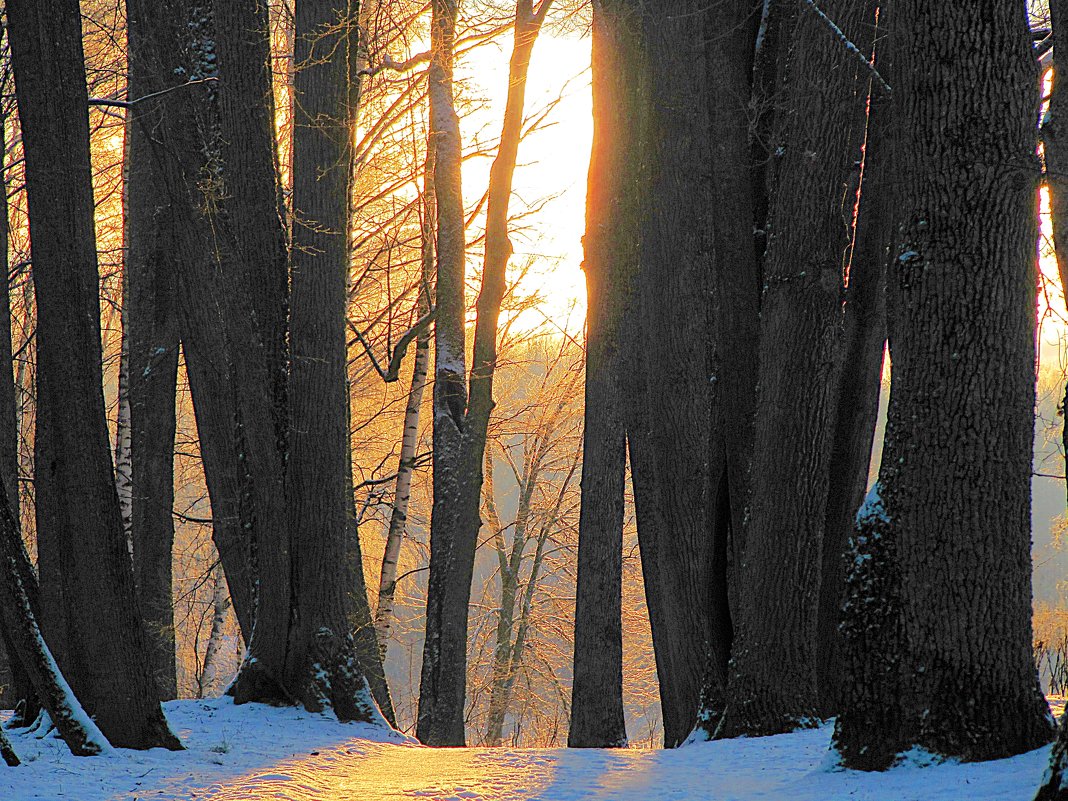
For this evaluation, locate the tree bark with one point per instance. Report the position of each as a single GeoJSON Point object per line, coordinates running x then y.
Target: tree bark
{"type": "Point", "coordinates": [954, 483]}
{"type": "Point", "coordinates": [151, 343]}
{"type": "Point", "coordinates": [17, 590]}
{"type": "Point", "coordinates": [863, 344]}
{"type": "Point", "coordinates": [610, 263]}
{"type": "Point", "coordinates": [321, 669]}
{"type": "Point", "coordinates": [461, 418]}
{"type": "Point", "coordinates": [79, 508]}
{"type": "Point", "coordinates": [24, 699]}
{"type": "Point", "coordinates": [772, 683]}
{"type": "Point", "coordinates": [168, 48]}
{"type": "Point", "coordinates": [398, 520]}
{"type": "Point", "coordinates": [210, 674]}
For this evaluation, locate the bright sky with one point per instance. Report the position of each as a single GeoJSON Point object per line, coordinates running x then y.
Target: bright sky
{"type": "Point", "coordinates": [553, 162]}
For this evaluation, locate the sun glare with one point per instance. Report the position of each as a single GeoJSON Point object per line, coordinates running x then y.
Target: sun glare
{"type": "Point", "coordinates": [549, 193]}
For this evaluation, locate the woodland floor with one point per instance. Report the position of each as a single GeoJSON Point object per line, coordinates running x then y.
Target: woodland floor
{"type": "Point", "coordinates": [253, 752]}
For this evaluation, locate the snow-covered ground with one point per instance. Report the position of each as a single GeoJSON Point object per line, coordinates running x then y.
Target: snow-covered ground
{"type": "Point", "coordinates": [255, 752]}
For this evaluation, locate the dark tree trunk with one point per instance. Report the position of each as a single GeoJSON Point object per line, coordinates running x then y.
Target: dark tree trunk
{"type": "Point", "coordinates": [151, 331]}
{"type": "Point", "coordinates": [321, 668]}
{"type": "Point", "coordinates": [18, 588]}
{"type": "Point", "coordinates": [454, 519]}
{"type": "Point", "coordinates": [864, 340]}
{"type": "Point", "coordinates": [79, 509]}
{"type": "Point", "coordinates": [610, 263]}
{"type": "Point", "coordinates": [167, 43]}
{"type": "Point", "coordinates": [253, 204]}
{"type": "Point", "coordinates": [772, 684]}
{"type": "Point", "coordinates": [11, 759]}
{"type": "Point", "coordinates": [955, 477]}
{"type": "Point", "coordinates": [461, 419]}
{"type": "Point", "coordinates": [20, 693]}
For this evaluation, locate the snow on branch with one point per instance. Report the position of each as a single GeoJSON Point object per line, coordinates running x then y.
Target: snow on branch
{"type": "Point", "coordinates": [848, 44]}
{"type": "Point", "coordinates": [106, 101]}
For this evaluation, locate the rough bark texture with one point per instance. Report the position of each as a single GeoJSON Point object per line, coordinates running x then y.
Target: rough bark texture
{"type": "Point", "coordinates": [79, 519]}
{"type": "Point", "coordinates": [738, 159]}
{"type": "Point", "coordinates": [610, 263]}
{"type": "Point", "coordinates": [772, 684]}
{"type": "Point", "coordinates": [18, 588]}
{"type": "Point", "coordinates": [168, 47]}
{"type": "Point", "coordinates": [461, 417]}
{"type": "Point", "coordinates": [321, 667]}
{"type": "Point", "coordinates": [150, 328]}
{"type": "Point", "coordinates": [956, 469]}
{"type": "Point", "coordinates": [252, 204]}
{"type": "Point", "coordinates": [863, 344]}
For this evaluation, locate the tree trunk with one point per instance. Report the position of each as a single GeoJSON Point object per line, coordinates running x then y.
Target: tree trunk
{"type": "Point", "coordinates": [17, 590]}
{"type": "Point", "coordinates": [738, 193]}
{"type": "Point", "coordinates": [79, 509]}
{"type": "Point", "coordinates": [680, 469]}
{"type": "Point", "coordinates": [460, 421]}
{"type": "Point", "coordinates": [398, 520]}
{"type": "Point", "coordinates": [1055, 150]}
{"type": "Point", "coordinates": [253, 204]}
{"type": "Point", "coordinates": [955, 477]}
{"type": "Point", "coordinates": [151, 343]}
{"type": "Point", "coordinates": [167, 43]}
{"type": "Point", "coordinates": [610, 263]}
{"type": "Point", "coordinates": [211, 673]}
{"type": "Point", "coordinates": [864, 340]}
{"type": "Point", "coordinates": [24, 699]}
{"type": "Point", "coordinates": [772, 684]}
{"type": "Point", "coordinates": [321, 667]}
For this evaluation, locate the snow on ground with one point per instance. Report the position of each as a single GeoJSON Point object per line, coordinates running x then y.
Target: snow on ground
{"type": "Point", "coordinates": [255, 752]}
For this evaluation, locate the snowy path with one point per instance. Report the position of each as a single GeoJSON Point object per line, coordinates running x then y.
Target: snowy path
{"type": "Point", "coordinates": [252, 753]}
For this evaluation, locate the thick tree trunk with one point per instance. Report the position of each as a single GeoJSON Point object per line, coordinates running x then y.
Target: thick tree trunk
{"type": "Point", "coordinates": [611, 266]}
{"type": "Point", "coordinates": [610, 263]}
{"type": "Point", "coordinates": [253, 205]}
{"type": "Point", "coordinates": [955, 476]}
{"type": "Point", "coordinates": [460, 420]}
{"type": "Point", "coordinates": [166, 45]}
{"type": "Point", "coordinates": [17, 590]}
{"type": "Point", "coordinates": [321, 667]}
{"type": "Point", "coordinates": [772, 683]}
{"type": "Point", "coordinates": [864, 341]}
{"type": "Point", "coordinates": [151, 343]}
{"type": "Point", "coordinates": [737, 192]}
{"type": "Point", "coordinates": [79, 508]}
